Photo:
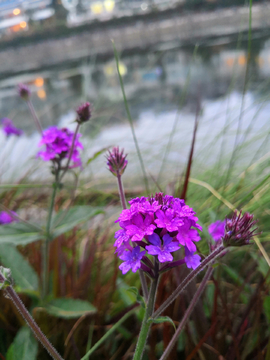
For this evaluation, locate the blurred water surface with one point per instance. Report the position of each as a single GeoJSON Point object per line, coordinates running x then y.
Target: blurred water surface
{"type": "Point", "coordinates": [163, 90]}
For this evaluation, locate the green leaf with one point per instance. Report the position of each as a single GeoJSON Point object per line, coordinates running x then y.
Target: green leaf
{"type": "Point", "coordinates": [67, 219]}
{"type": "Point", "coordinates": [24, 346]}
{"type": "Point", "coordinates": [21, 271]}
{"type": "Point", "coordinates": [19, 234]}
{"type": "Point", "coordinates": [96, 155]}
{"type": "Point", "coordinates": [139, 298]}
{"type": "Point", "coordinates": [69, 308]}
{"type": "Point", "coordinates": [266, 306]}
{"type": "Point", "coordinates": [162, 319]}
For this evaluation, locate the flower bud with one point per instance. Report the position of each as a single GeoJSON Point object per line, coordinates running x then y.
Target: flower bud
{"type": "Point", "coordinates": [116, 161]}
{"type": "Point", "coordinates": [24, 91]}
{"type": "Point", "coordinates": [238, 230]}
{"type": "Point", "coordinates": [84, 112]}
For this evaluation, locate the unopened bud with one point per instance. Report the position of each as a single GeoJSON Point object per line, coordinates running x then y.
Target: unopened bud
{"type": "Point", "coordinates": [24, 91]}
{"type": "Point", "coordinates": [84, 112]}
{"type": "Point", "coordinates": [239, 230]}
{"type": "Point", "coordinates": [116, 161]}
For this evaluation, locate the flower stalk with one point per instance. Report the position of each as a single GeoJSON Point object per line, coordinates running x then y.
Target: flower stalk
{"type": "Point", "coordinates": [180, 288]}
{"type": "Point", "coordinates": [28, 318]}
{"type": "Point", "coordinates": [146, 325]}
{"type": "Point", "coordinates": [187, 313]}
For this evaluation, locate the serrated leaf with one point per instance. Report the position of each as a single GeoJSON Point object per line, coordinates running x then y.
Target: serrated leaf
{"type": "Point", "coordinates": [97, 154]}
{"type": "Point", "coordinates": [21, 271]}
{"type": "Point", "coordinates": [67, 219]}
{"type": "Point", "coordinates": [162, 319]}
{"type": "Point", "coordinates": [24, 346]}
{"type": "Point", "coordinates": [19, 234]}
{"type": "Point", "coordinates": [69, 308]}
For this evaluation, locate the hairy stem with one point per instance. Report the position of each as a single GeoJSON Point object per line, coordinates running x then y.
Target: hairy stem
{"type": "Point", "coordinates": [12, 295]}
{"type": "Point", "coordinates": [121, 191]}
{"type": "Point", "coordinates": [187, 313]}
{"type": "Point", "coordinates": [70, 152]}
{"type": "Point", "coordinates": [207, 261]}
{"type": "Point", "coordinates": [146, 325]}
{"type": "Point", "coordinates": [34, 115]}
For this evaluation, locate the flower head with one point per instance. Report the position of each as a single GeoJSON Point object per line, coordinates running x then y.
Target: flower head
{"type": "Point", "coordinates": [6, 217]}
{"type": "Point", "coordinates": [159, 225]}
{"type": "Point", "coordinates": [9, 128]}
{"type": "Point", "coordinates": [239, 229]}
{"type": "Point", "coordinates": [116, 161]}
{"type": "Point", "coordinates": [58, 143]}
{"type": "Point", "coordinates": [24, 91]}
{"type": "Point", "coordinates": [84, 112]}
{"type": "Point", "coordinates": [216, 230]}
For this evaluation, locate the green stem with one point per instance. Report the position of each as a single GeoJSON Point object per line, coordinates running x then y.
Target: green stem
{"type": "Point", "coordinates": [148, 313]}
{"type": "Point", "coordinates": [45, 245]}
{"type": "Point", "coordinates": [108, 334]}
{"type": "Point", "coordinates": [131, 121]}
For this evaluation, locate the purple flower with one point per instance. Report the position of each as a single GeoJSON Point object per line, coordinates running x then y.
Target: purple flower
{"type": "Point", "coordinates": [121, 237]}
{"type": "Point", "coordinates": [9, 128]}
{"type": "Point", "coordinates": [132, 260]}
{"type": "Point", "coordinates": [192, 260]}
{"type": "Point", "coordinates": [216, 230]}
{"type": "Point", "coordinates": [158, 224]}
{"type": "Point", "coordinates": [166, 219]}
{"type": "Point", "coordinates": [163, 251]}
{"type": "Point", "coordinates": [140, 227]}
{"type": "Point", "coordinates": [58, 143]}
{"type": "Point", "coordinates": [186, 236]}
{"type": "Point", "coordinates": [7, 218]}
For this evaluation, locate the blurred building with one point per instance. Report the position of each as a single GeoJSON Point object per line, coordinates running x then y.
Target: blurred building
{"type": "Point", "coordinates": [16, 14]}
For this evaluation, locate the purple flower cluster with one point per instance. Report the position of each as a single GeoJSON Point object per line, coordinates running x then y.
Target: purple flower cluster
{"type": "Point", "coordinates": [7, 218]}
{"type": "Point", "coordinates": [9, 128]}
{"type": "Point", "coordinates": [159, 225]}
{"type": "Point", "coordinates": [58, 144]}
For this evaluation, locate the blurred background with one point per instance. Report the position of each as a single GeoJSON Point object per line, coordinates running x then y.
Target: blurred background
{"type": "Point", "coordinates": [176, 57]}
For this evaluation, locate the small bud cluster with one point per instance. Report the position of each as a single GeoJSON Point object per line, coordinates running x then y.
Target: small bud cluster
{"type": "Point", "coordinates": [116, 161]}
{"type": "Point", "coordinates": [239, 230]}
{"type": "Point", "coordinates": [84, 113]}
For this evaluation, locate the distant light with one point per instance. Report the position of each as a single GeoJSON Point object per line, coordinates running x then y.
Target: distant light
{"type": "Point", "coordinates": [39, 82]}
{"type": "Point", "coordinates": [97, 7]}
{"type": "Point", "coordinates": [230, 62]}
{"type": "Point", "coordinates": [242, 60]}
{"type": "Point", "coordinates": [16, 11]}
{"type": "Point", "coordinates": [144, 6]}
{"type": "Point", "coordinates": [109, 5]}
{"type": "Point", "coordinates": [23, 24]}
{"type": "Point", "coordinates": [41, 94]}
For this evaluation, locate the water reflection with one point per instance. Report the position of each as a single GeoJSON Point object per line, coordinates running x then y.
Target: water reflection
{"type": "Point", "coordinates": [156, 84]}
